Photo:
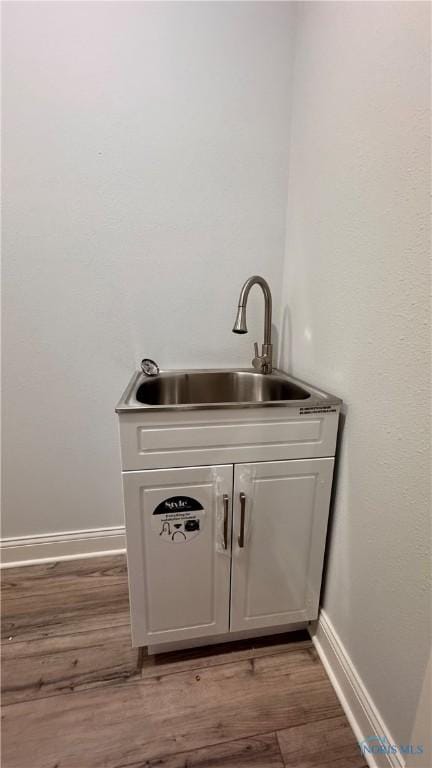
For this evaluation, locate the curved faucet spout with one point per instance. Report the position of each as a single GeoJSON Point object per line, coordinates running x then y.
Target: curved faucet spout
{"type": "Point", "coordinates": [262, 362]}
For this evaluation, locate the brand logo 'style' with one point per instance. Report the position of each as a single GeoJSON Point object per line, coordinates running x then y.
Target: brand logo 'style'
{"type": "Point", "coordinates": [177, 504]}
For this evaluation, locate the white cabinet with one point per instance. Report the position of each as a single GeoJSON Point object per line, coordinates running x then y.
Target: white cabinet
{"type": "Point", "coordinates": [178, 527]}
{"type": "Point", "coordinates": [279, 529]}
{"type": "Point", "coordinates": [196, 571]}
{"type": "Point", "coordinates": [190, 580]}
{"type": "Point", "coordinates": [183, 439]}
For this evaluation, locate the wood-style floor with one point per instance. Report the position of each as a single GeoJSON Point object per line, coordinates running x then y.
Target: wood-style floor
{"type": "Point", "coordinates": [77, 695]}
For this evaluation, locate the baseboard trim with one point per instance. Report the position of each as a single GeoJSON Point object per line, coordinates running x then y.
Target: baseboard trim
{"type": "Point", "coordinates": [362, 713]}
{"type": "Point", "coordinates": [70, 545]}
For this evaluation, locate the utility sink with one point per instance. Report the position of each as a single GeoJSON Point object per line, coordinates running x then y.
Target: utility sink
{"type": "Point", "coordinates": [218, 389]}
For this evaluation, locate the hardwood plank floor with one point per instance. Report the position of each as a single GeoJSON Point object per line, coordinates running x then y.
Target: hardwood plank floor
{"type": "Point", "coordinates": [34, 669]}
{"type": "Point", "coordinates": [62, 603]}
{"type": "Point", "coordinates": [66, 576]}
{"type": "Point", "coordinates": [255, 752]}
{"type": "Point", "coordinates": [305, 746]}
{"type": "Point", "coordinates": [77, 695]}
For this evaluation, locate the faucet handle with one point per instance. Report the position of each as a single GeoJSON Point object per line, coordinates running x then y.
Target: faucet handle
{"type": "Point", "coordinates": [257, 362]}
{"type": "Point", "coordinates": [263, 362]}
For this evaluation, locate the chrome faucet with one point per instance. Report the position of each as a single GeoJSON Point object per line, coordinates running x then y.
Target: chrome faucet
{"type": "Point", "coordinates": [262, 362]}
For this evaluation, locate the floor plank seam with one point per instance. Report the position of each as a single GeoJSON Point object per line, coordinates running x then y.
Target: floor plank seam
{"type": "Point", "coordinates": [279, 748]}
{"type": "Point", "coordinates": [202, 665]}
{"type": "Point", "coordinates": [130, 680]}
{"type": "Point", "coordinates": [6, 641]}
{"type": "Point", "coordinates": [68, 688]}
{"type": "Point", "coordinates": [12, 593]}
{"type": "Point", "coordinates": [78, 689]}
{"type": "Point", "coordinates": [137, 674]}
{"type": "Point", "coordinates": [307, 722]}
{"type": "Point", "coordinates": [159, 758]}
{"type": "Point", "coordinates": [329, 718]}
{"type": "Point", "coordinates": [53, 652]}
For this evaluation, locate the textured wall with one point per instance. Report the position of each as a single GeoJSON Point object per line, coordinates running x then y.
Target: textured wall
{"type": "Point", "coordinates": [145, 178]}
{"type": "Point", "coordinates": [356, 284]}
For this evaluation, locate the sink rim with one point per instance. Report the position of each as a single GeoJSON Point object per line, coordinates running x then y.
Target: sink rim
{"type": "Point", "coordinates": [317, 397]}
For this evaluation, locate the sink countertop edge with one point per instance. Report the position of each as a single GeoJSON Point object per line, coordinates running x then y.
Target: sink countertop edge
{"type": "Point", "coordinates": [318, 397]}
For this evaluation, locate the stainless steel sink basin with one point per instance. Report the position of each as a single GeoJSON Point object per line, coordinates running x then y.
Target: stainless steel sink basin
{"type": "Point", "coordinates": [218, 389]}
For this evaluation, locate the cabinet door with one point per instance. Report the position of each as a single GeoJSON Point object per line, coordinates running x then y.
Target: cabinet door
{"type": "Point", "coordinates": [178, 529]}
{"type": "Point", "coordinates": [276, 574]}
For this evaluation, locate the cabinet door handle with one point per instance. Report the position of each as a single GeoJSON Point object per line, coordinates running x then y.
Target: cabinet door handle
{"type": "Point", "coordinates": [225, 523]}
{"type": "Point", "coordinates": [242, 519]}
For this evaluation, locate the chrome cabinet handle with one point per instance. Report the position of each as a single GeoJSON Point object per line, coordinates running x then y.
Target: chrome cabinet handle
{"type": "Point", "coordinates": [242, 519]}
{"type": "Point", "coordinates": [225, 523]}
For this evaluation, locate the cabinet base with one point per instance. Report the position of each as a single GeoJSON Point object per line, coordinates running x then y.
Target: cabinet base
{"type": "Point", "coordinates": [228, 637]}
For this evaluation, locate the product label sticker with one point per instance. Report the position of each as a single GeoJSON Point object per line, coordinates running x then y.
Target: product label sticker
{"type": "Point", "coordinates": [315, 409]}
{"type": "Point", "coordinates": [178, 519]}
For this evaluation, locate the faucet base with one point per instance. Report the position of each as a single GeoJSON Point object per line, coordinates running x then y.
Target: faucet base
{"type": "Point", "coordinates": [263, 362]}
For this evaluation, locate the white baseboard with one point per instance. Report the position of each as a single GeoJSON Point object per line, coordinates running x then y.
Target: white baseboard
{"type": "Point", "coordinates": [363, 715]}
{"type": "Point", "coordinates": [45, 548]}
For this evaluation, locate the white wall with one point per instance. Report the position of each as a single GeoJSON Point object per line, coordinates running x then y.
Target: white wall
{"type": "Point", "coordinates": [145, 178]}
{"type": "Point", "coordinates": [356, 284]}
